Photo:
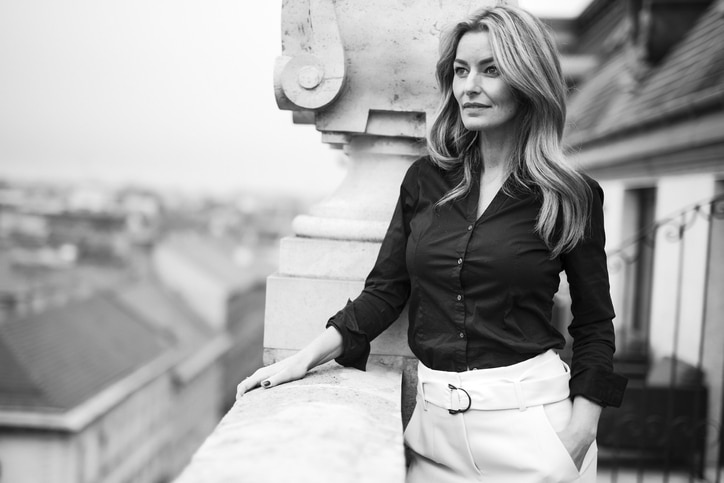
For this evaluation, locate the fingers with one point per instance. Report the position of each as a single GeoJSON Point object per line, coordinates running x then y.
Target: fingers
{"type": "Point", "coordinates": [288, 373]}
{"type": "Point", "coordinates": [243, 387]}
{"type": "Point", "coordinates": [270, 376]}
{"type": "Point", "coordinates": [259, 378]}
{"type": "Point", "coordinates": [251, 382]}
{"type": "Point", "coordinates": [275, 379]}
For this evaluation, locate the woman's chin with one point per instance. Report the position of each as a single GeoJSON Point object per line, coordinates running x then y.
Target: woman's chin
{"type": "Point", "coordinates": [474, 125]}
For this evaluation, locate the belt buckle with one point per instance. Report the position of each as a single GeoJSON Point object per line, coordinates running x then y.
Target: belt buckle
{"type": "Point", "coordinates": [470, 400]}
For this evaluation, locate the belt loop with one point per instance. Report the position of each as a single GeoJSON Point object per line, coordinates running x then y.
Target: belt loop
{"type": "Point", "coordinates": [422, 393]}
{"type": "Point", "coordinates": [519, 395]}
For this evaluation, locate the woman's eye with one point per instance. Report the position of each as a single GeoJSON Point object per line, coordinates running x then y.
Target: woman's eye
{"type": "Point", "coordinates": [492, 70]}
{"type": "Point", "coordinates": [460, 71]}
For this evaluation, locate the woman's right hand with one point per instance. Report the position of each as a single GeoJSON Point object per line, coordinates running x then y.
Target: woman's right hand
{"type": "Point", "coordinates": [286, 370]}
{"type": "Point", "coordinates": [322, 349]}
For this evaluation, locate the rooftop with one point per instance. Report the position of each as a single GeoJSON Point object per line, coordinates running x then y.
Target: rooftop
{"type": "Point", "coordinates": [221, 258]}
{"type": "Point", "coordinates": [56, 360]}
{"type": "Point", "coordinates": [687, 81]}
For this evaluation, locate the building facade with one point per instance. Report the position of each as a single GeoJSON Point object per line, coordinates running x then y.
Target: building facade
{"type": "Point", "coordinates": [648, 124]}
{"type": "Point", "coordinates": [119, 387]}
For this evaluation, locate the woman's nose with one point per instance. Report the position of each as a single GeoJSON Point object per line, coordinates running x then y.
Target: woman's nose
{"type": "Point", "coordinates": [472, 85]}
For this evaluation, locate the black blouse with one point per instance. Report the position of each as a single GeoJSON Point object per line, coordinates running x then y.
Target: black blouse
{"type": "Point", "coordinates": [481, 289]}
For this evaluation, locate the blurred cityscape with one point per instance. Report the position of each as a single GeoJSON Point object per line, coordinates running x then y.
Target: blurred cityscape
{"type": "Point", "coordinates": [127, 317]}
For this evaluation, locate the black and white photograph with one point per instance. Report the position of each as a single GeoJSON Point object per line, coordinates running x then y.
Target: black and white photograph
{"type": "Point", "coordinates": [346, 241]}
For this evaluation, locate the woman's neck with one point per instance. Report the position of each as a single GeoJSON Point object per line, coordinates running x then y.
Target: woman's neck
{"type": "Point", "coordinates": [496, 148]}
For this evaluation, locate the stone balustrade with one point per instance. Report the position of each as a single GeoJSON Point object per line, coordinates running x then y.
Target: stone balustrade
{"type": "Point", "coordinates": [335, 425]}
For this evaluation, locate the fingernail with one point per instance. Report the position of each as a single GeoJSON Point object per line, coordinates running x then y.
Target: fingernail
{"type": "Point", "coordinates": [266, 383]}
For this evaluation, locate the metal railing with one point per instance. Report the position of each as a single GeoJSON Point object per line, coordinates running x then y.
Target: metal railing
{"type": "Point", "coordinates": [669, 427]}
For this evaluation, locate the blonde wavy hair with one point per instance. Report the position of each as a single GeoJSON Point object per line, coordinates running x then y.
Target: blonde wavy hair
{"type": "Point", "coordinates": [527, 58]}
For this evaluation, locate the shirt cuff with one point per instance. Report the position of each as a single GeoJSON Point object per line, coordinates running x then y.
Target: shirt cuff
{"type": "Point", "coordinates": [602, 387]}
{"type": "Point", "coordinates": [355, 345]}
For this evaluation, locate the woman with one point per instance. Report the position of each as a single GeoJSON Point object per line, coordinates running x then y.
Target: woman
{"type": "Point", "coordinates": [482, 228]}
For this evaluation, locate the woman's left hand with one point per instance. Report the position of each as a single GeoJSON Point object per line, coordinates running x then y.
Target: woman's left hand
{"type": "Point", "coordinates": [580, 432]}
{"type": "Point", "coordinates": [576, 444]}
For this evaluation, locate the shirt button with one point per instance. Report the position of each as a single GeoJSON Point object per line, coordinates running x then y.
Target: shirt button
{"type": "Point", "coordinates": [462, 336]}
{"type": "Point", "coordinates": [460, 260]}
{"type": "Point", "coordinates": [470, 227]}
{"type": "Point", "coordinates": [460, 297]}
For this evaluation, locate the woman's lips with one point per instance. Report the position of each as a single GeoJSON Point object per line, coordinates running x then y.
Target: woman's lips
{"type": "Point", "coordinates": [474, 105]}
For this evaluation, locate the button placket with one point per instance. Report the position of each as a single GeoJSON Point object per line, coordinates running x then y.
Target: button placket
{"type": "Point", "coordinates": [462, 337]}
{"type": "Point", "coordinates": [460, 311]}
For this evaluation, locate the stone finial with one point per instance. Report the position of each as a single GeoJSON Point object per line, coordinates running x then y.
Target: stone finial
{"type": "Point", "coordinates": [364, 67]}
{"type": "Point", "coordinates": [311, 73]}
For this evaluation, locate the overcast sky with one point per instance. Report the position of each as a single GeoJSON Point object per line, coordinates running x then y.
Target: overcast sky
{"type": "Point", "coordinates": [167, 93]}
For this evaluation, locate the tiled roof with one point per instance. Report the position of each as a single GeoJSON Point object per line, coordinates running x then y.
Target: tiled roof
{"type": "Point", "coordinates": [690, 78]}
{"type": "Point", "coordinates": [214, 256]}
{"type": "Point", "coordinates": [590, 107]}
{"type": "Point", "coordinates": [55, 360]}
{"type": "Point", "coordinates": [16, 386]}
{"type": "Point", "coordinates": [168, 314]}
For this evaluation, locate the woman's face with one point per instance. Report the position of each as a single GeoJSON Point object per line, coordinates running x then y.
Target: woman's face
{"type": "Point", "coordinates": [486, 102]}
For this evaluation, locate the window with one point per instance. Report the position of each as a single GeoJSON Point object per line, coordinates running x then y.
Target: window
{"type": "Point", "coordinates": [640, 207]}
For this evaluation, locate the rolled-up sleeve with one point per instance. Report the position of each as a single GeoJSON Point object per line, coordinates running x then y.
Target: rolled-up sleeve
{"type": "Point", "coordinates": [592, 330]}
{"type": "Point", "coordinates": [386, 288]}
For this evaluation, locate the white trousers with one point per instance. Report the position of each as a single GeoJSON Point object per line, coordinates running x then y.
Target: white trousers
{"type": "Point", "coordinates": [518, 443]}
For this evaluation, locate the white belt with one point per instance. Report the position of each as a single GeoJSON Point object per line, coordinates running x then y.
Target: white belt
{"type": "Point", "coordinates": [460, 397]}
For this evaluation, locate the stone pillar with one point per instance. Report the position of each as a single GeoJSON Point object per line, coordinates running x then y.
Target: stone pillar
{"type": "Point", "coordinates": [364, 74]}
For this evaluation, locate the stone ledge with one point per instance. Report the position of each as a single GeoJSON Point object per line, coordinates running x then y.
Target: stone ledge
{"type": "Point", "coordinates": [335, 425]}
{"type": "Point", "coordinates": [329, 259]}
